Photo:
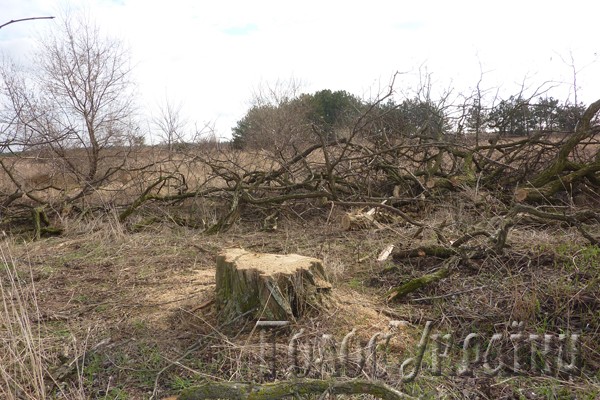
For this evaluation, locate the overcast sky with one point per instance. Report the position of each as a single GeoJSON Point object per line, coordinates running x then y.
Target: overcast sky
{"type": "Point", "coordinates": [211, 56]}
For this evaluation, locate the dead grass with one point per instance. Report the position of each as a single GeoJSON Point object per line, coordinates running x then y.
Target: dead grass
{"type": "Point", "coordinates": [114, 311]}
{"type": "Point", "coordinates": [27, 354]}
{"type": "Point", "coordinates": [22, 351]}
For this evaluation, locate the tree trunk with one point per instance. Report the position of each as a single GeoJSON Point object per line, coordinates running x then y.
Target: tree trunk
{"type": "Point", "coordinates": [558, 176]}
{"type": "Point", "coordinates": [268, 286]}
{"type": "Point", "coordinates": [550, 188]}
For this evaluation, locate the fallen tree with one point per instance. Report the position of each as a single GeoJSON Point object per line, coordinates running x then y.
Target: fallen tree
{"type": "Point", "coordinates": [564, 173]}
{"type": "Point", "coordinates": [458, 253]}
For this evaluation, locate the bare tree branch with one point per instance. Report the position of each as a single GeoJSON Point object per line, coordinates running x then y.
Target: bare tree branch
{"type": "Point", "coordinates": [23, 19]}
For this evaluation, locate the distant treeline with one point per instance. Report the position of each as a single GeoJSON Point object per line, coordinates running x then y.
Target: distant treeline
{"type": "Point", "coordinates": [327, 114]}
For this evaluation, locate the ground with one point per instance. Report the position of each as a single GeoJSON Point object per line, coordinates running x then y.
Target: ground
{"type": "Point", "coordinates": [127, 314]}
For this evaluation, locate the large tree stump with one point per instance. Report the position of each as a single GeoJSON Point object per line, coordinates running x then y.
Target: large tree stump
{"type": "Point", "coordinates": [268, 286]}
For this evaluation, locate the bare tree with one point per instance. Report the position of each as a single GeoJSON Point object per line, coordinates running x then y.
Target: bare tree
{"type": "Point", "coordinates": [170, 123]}
{"type": "Point", "coordinates": [75, 107]}
{"type": "Point", "coordinates": [277, 119]}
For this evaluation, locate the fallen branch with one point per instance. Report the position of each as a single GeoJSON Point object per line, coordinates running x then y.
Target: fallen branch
{"type": "Point", "coordinates": [141, 199]}
{"type": "Point", "coordinates": [467, 237]}
{"type": "Point", "coordinates": [576, 219]}
{"type": "Point", "coordinates": [431, 251]}
{"type": "Point", "coordinates": [562, 173]}
{"type": "Point", "coordinates": [223, 224]}
{"type": "Point", "coordinates": [391, 209]}
{"type": "Point", "coordinates": [41, 224]}
{"type": "Point", "coordinates": [278, 390]}
{"type": "Point", "coordinates": [417, 283]}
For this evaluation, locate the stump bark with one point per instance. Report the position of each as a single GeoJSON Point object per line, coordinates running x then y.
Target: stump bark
{"type": "Point", "coordinates": [268, 286]}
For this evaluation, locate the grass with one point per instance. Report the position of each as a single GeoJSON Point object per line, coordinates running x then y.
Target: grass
{"type": "Point", "coordinates": [26, 352]}
{"type": "Point", "coordinates": [179, 383]}
{"type": "Point", "coordinates": [22, 366]}
{"type": "Point", "coordinates": [113, 310]}
{"type": "Point", "coordinates": [355, 284]}
{"type": "Point", "coordinates": [124, 304]}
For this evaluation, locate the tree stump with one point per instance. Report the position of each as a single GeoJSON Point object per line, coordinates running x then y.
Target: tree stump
{"type": "Point", "coordinates": [268, 286]}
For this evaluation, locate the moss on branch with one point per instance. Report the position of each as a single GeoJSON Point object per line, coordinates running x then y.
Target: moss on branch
{"type": "Point", "coordinates": [296, 388]}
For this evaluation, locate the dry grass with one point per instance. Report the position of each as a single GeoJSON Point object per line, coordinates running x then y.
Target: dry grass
{"type": "Point", "coordinates": [27, 355]}
{"type": "Point", "coordinates": [131, 299]}
{"type": "Point", "coordinates": [22, 352]}
{"type": "Point", "coordinates": [111, 310]}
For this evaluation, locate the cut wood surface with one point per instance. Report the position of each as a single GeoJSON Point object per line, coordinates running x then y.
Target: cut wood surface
{"type": "Point", "coordinates": [357, 220]}
{"type": "Point", "coordinates": [268, 286]}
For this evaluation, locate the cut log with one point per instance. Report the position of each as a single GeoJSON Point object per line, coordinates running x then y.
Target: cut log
{"type": "Point", "coordinates": [358, 220]}
{"type": "Point", "coordinates": [373, 218]}
{"type": "Point", "coordinates": [385, 254]}
{"type": "Point", "coordinates": [268, 286]}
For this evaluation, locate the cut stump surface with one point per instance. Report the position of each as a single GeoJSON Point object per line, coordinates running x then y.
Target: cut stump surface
{"type": "Point", "coordinates": [268, 286]}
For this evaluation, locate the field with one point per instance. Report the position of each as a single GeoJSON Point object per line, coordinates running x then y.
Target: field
{"type": "Point", "coordinates": [459, 238]}
{"type": "Point", "coordinates": [119, 304]}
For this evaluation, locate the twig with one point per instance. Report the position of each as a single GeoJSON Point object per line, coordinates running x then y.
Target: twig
{"type": "Point", "coordinates": [195, 346]}
{"type": "Point", "coordinates": [449, 294]}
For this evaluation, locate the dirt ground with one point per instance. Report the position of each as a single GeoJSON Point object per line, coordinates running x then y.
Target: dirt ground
{"type": "Point", "coordinates": [128, 315]}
